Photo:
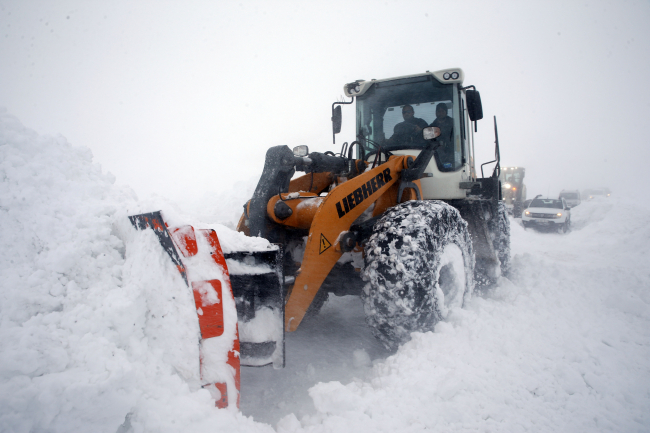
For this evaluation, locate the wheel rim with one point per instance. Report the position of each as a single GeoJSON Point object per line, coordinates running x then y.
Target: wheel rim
{"type": "Point", "coordinates": [451, 282]}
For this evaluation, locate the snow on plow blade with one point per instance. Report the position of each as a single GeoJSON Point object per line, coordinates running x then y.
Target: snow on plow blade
{"type": "Point", "coordinates": [254, 279]}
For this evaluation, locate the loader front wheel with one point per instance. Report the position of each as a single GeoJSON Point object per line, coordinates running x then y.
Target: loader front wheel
{"type": "Point", "coordinates": [419, 265]}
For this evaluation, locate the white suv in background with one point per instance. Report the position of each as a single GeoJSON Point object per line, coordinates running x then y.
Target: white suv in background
{"type": "Point", "coordinates": [547, 213]}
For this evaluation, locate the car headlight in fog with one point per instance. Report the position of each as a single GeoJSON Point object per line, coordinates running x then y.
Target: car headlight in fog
{"type": "Point", "coordinates": [557, 215]}
{"type": "Point", "coordinates": [527, 213]}
{"type": "Point", "coordinates": [507, 185]}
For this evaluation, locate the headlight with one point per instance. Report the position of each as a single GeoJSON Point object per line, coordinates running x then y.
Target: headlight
{"type": "Point", "coordinates": [451, 75]}
{"type": "Point", "coordinates": [507, 185]}
{"type": "Point", "coordinates": [557, 215]}
{"type": "Point", "coordinates": [353, 88]}
{"type": "Point", "coordinates": [527, 213]}
{"type": "Point", "coordinates": [301, 150]}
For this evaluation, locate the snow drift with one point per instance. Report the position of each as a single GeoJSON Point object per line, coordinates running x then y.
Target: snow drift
{"type": "Point", "coordinates": [96, 335]}
{"type": "Point", "coordinates": [93, 336]}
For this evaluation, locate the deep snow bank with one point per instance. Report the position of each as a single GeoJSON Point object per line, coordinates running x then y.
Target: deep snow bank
{"type": "Point", "coordinates": [91, 339]}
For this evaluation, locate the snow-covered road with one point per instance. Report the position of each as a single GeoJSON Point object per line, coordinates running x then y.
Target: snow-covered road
{"type": "Point", "coordinates": [562, 344]}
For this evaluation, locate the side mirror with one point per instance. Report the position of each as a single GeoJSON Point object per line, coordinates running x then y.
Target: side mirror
{"type": "Point", "coordinates": [474, 106]}
{"type": "Point", "coordinates": [337, 119]}
{"type": "Point", "coordinates": [430, 132]}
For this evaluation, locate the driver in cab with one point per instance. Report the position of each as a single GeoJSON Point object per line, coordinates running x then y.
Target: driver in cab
{"type": "Point", "coordinates": [408, 131]}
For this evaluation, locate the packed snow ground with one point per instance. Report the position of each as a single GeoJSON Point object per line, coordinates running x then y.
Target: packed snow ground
{"type": "Point", "coordinates": [91, 339]}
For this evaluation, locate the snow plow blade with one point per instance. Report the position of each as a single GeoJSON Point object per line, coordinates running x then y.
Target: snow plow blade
{"type": "Point", "coordinates": [204, 271]}
{"type": "Point", "coordinates": [254, 279]}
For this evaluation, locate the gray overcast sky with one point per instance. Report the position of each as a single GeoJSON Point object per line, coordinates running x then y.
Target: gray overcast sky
{"type": "Point", "coordinates": [185, 97]}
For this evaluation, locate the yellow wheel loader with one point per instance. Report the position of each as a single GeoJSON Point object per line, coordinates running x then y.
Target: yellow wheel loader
{"type": "Point", "coordinates": [398, 217]}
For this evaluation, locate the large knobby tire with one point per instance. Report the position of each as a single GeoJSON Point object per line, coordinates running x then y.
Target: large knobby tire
{"type": "Point", "coordinates": [419, 264]}
{"type": "Point", "coordinates": [502, 239]}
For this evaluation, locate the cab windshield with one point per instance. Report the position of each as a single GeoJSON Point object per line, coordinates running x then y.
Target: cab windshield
{"type": "Point", "coordinates": [511, 177]}
{"type": "Point", "coordinates": [392, 114]}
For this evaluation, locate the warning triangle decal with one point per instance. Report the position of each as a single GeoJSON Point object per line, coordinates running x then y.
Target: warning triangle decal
{"type": "Point", "coordinates": [324, 244]}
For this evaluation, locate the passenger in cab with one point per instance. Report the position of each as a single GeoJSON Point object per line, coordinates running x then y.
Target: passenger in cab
{"type": "Point", "coordinates": [446, 125]}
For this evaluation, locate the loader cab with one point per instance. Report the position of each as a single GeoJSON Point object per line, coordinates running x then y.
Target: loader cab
{"type": "Point", "coordinates": [382, 125]}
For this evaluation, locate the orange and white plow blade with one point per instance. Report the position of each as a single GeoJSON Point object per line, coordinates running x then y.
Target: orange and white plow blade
{"type": "Point", "coordinates": [204, 269]}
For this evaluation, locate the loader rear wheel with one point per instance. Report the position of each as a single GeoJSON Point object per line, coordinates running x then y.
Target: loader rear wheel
{"type": "Point", "coordinates": [419, 265]}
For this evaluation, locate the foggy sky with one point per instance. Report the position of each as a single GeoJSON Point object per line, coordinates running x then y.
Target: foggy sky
{"type": "Point", "coordinates": [184, 98]}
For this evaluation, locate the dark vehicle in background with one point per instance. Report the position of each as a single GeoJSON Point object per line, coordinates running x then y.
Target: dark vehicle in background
{"type": "Point", "coordinates": [527, 203]}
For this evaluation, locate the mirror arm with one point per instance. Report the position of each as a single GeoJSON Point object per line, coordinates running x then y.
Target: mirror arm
{"type": "Point", "coordinates": [416, 169]}
{"type": "Point", "coordinates": [497, 151]}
